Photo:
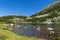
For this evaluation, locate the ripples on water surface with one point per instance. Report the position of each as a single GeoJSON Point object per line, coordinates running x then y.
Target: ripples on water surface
{"type": "Point", "coordinates": [35, 30]}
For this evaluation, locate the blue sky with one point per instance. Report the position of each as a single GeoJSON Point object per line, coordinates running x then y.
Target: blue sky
{"type": "Point", "coordinates": [22, 7]}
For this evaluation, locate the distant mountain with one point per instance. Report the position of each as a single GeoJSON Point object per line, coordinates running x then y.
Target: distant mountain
{"type": "Point", "coordinates": [53, 8]}
{"type": "Point", "coordinates": [6, 19]}
{"type": "Point", "coordinates": [52, 13]}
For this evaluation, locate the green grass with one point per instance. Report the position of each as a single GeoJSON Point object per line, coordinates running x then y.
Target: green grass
{"type": "Point", "coordinates": [8, 35]}
{"type": "Point", "coordinates": [59, 38]}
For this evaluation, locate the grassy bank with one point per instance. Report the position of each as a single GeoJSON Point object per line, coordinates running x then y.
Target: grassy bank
{"type": "Point", "coordinates": [8, 35]}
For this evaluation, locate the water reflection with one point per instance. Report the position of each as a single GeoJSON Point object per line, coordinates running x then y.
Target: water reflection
{"type": "Point", "coordinates": [34, 30]}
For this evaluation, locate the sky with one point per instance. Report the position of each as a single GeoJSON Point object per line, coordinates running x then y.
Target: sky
{"type": "Point", "coordinates": [22, 7]}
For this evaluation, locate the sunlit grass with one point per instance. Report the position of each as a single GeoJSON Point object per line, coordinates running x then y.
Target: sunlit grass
{"type": "Point", "coordinates": [8, 35]}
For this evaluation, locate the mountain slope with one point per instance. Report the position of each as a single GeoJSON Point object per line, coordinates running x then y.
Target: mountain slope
{"type": "Point", "coordinates": [50, 9]}
{"type": "Point", "coordinates": [6, 19]}
{"type": "Point", "coordinates": [52, 12]}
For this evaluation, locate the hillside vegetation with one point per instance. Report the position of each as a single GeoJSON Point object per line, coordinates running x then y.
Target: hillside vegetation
{"type": "Point", "coordinates": [54, 13]}
{"type": "Point", "coordinates": [6, 19]}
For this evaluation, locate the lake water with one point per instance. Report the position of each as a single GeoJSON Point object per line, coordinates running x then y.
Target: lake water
{"type": "Point", "coordinates": [35, 30]}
